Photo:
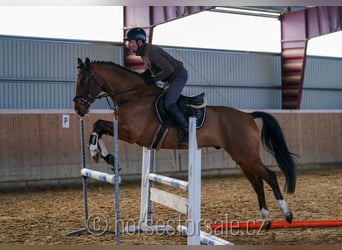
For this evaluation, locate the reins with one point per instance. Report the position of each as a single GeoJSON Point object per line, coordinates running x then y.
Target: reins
{"type": "Point", "coordinates": [88, 99]}
{"type": "Point", "coordinates": [113, 95]}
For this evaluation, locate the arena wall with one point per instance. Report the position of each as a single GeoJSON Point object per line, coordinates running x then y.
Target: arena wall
{"type": "Point", "coordinates": [36, 149]}
{"type": "Point", "coordinates": [37, 73]}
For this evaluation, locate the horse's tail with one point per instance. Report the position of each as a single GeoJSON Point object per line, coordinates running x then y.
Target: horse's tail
{"type": "Point", "coordinates": [274, 142]}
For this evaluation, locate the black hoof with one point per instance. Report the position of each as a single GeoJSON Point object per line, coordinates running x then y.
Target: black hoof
{"type": "Point", "coordinates": [288, 217]}
{"type": "Point", "coordinates": [267, 225]}
{"type": "Point", "coordinates": [109, 159]}
{"type": "Point", "coordinates": [114, 169]}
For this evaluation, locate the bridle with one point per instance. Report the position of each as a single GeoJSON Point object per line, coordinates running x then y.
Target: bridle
{"type": "Point", "coordinates": [88, 99]}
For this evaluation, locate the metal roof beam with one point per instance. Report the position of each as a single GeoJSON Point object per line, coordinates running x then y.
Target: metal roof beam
{"type": "Point", "coordinates": [148, 17]}
{"type": "Point", "coordinates": [296, 29]}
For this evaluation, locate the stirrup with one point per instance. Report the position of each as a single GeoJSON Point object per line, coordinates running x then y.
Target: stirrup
{"type": "Point", "coordinates": [184, 141]}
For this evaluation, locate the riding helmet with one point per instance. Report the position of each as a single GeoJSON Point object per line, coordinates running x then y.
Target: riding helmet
{"type": "Point", "coordinates": [136, 34]}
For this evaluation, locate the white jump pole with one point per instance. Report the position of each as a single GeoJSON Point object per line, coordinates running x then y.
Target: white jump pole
{"type": "Point", "coordinates": [148, 161]}
{"type": "Point", "coordinates": [194, 188]}
{"type": "Point", "coordinates": [100, 176]}
{"type": "Point", "coordinates": [172, 182]}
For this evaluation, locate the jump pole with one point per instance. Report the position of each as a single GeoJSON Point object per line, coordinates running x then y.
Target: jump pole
{"type": "Point", "coordinates": [277, 224]}
{"type": "Point", "coordinates": [113, 179]}
{"type": "Point", "coordinates": [100, 176]}
{"type": "Point", "coordinates": [194, 188]}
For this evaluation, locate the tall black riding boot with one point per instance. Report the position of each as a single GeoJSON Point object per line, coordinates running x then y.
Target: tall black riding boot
{"type": "Point", "coordinates": [180, 118]}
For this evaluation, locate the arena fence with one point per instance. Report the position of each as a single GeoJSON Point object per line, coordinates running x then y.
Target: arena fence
{"type": "Point", "coordinates": [38, 148]}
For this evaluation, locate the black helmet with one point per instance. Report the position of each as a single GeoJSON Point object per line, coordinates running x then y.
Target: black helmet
{"type": "Point", "coordinates": [136, 34]}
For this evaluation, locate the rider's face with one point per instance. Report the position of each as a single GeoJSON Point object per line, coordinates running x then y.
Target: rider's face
{"type": "Point", "coordinates": [133, 46]}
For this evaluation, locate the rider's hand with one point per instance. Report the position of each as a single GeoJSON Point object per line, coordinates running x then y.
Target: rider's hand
{"type": "Point", "coordinates": [148, 78]}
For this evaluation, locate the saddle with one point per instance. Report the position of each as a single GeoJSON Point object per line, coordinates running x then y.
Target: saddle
{"type": "Point", "coordinates": [192, 106]}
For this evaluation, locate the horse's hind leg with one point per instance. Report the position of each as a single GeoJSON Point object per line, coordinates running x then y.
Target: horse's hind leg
{"type": "Point", "coordinates": [96, 145]}
{"type": "Point", "coordinates": [258, 186]}
{"type": "Point", "coordinates": [260, 173]}
{"type": "Point", "coordinates": [271, 178]}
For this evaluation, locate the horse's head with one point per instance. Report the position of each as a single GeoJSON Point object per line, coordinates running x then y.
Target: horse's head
{"type": "Point", "coordinates": [87, 88]}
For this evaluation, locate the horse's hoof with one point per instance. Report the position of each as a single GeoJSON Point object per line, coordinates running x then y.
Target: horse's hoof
{"type": "Point", "coordinates": [267, 225]}
{"type": "Point", "coordinates": [96, 158]}
{"type": "Point", "coordinates": [95, 155]}
{"type": "Point", "coordinates": [109, 159]}
{"type": "Point", "coordinates": [288, 217]}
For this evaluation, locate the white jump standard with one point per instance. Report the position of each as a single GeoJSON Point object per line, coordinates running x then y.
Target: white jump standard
{"type": "Point", "coordinates": [113, 179]}
{"type": "Point", "coordinates": [190, 205]}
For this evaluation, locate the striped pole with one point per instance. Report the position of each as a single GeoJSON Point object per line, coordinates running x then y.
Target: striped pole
{"type": "Point", "coordinates": [100, 176]}
{"type": "Point", "coordinates": [172, 182]}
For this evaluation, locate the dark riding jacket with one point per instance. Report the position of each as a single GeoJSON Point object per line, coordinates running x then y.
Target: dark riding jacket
{"type": "Point", "coordinates": [162, 65]}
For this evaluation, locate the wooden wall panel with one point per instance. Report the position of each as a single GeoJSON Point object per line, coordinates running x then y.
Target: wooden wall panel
{"type": "Point", "coordinates": [35, 147]}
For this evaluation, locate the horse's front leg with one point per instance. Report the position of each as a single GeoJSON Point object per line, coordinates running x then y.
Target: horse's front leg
{"type": "Point", "coordinates": [96, 145]}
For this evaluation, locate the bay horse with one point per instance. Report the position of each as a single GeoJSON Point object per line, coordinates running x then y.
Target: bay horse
{"type": "Point", "coordinates": [224, 127]}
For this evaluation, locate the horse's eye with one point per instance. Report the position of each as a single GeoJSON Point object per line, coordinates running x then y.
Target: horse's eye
{"type": "Point", "coordinates": [81, 80]}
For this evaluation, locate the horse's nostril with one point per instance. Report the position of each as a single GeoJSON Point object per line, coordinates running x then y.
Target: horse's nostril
{"type": "Point", "coordinates": [81, 114]}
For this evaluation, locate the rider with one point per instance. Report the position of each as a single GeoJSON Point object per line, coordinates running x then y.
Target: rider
{"type": "Point", "coordinates": [161, 66]}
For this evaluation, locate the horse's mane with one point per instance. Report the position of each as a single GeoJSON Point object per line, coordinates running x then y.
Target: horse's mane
{"type": "Point", "coordinates": [117, 66]}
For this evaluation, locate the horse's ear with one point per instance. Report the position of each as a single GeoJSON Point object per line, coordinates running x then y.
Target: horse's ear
{"type": "Point", "coordinates": [87, 63]}
{"type": "Point", "coordinates": [79, 63]}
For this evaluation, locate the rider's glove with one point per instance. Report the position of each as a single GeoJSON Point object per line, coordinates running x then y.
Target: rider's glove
{"type": "Point", "coordinates": [147, 76]}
